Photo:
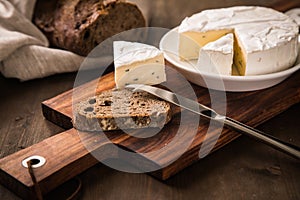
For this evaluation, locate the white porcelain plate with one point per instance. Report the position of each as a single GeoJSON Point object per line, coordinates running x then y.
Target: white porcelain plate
{"type": "Point", "coordinates": [169, 45]}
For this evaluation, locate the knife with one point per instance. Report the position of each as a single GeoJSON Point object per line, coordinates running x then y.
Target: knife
{"type": "Point", "coordinates": [211, 114]}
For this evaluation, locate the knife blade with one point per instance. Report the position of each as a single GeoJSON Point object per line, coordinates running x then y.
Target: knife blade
{"type": "Point", "coordinates": [211, 114]}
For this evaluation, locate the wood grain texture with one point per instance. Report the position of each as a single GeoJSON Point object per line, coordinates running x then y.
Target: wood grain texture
{"type": "Point", "coordinates": [67, 156]}
{"type": "Point", "coordinates": [242, 170]}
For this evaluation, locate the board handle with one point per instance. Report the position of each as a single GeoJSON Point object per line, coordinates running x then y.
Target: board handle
{"type": "Point", "coordinates": [65, 157]}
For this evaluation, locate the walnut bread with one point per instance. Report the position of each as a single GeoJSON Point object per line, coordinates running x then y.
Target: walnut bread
{"type": "Point", "coordinates": [80, 25]}
{"type": "Point", "coordinates": [121, 109]}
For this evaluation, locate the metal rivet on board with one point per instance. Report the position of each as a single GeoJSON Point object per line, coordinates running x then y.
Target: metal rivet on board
{"type": "Point", "coordinates": [36, 161]}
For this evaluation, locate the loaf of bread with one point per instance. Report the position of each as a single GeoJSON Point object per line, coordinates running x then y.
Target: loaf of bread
{"type": "Point", "coordinates": [80, 25]}
{"type": "Point", "coordinates": [121, 109]}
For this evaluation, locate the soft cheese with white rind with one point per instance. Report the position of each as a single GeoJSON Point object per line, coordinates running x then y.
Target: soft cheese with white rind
{"type": "Point", "coordinates": [266, 40]}
{"type": "Point", "coordinates": [137, 63]}
{"type": "Point", "coordinates": [217, 56]}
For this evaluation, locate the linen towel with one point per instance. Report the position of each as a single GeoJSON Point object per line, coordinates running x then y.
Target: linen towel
{"type": "Point", "coordinates": [24, 50]}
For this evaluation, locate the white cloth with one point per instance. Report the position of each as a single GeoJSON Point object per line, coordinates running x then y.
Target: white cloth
{"type": "Point", "coordinates": [24, 51]}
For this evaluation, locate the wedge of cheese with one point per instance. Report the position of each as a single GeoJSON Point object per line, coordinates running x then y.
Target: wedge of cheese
{"type": "Point", "coordinates": [217, 57]}
{"type": "Point", "coordinates": [191, 42]}
{"type": "Point", "coordinates": [137, 63]}
{"type": "Point", "coordinates": [266, 40]}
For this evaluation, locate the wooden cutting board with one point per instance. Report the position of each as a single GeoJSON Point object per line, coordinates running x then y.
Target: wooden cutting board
{"type": "Point", "coordinates": [66, 153]}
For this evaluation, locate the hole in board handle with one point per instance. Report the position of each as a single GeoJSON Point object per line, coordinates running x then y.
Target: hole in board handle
{"type": "Point", "coordinates": [36, 161]}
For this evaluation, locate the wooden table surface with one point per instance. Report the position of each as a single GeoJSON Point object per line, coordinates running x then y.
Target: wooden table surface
{"type": "Point", "coordinates": [244, 169]}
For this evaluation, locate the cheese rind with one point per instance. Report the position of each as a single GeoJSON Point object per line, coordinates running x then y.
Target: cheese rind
{"type": "Point", "coordinates": [265, 39]}
{"type": "Point", "coordinates": [217, 56]}
{"type": "Point", "coordinates": [137, 63]}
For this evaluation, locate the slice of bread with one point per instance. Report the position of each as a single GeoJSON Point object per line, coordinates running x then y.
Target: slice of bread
{"type": "Point", "coordinates": [121, 109]}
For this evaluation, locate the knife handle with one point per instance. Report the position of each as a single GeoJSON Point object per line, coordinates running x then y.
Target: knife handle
{"type": "Point", "coordinates": [272, 141]}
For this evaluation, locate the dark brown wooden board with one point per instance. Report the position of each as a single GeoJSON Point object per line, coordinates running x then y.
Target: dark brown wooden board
{"type": "Point", "coordinates": [67, 156]}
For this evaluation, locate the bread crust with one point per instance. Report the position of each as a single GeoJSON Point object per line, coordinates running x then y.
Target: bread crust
{"type": "Point", "coordinates": [80, 25]}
